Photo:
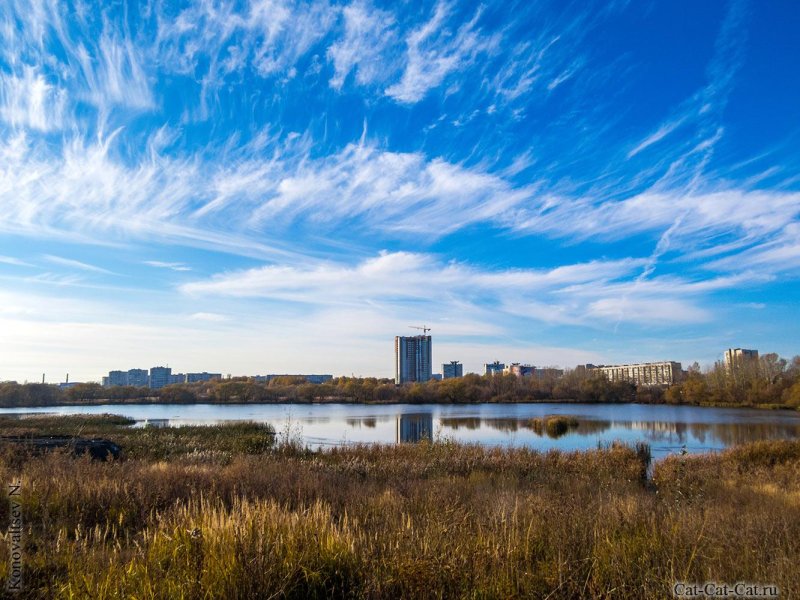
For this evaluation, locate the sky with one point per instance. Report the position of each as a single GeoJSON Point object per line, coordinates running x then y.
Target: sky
{"type": "Point", "coordinates": [266, 186]}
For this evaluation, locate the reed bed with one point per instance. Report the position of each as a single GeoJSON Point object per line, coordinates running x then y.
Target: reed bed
{"type": "Point", "coordinates": [434, 520]}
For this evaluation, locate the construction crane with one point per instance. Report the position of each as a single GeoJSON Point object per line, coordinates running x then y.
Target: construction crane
{"type": "Point", "coordinates": [425, 329]}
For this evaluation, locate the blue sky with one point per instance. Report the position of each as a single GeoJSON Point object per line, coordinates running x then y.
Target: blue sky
{"type": "Point", "coordinates": [266, 186]}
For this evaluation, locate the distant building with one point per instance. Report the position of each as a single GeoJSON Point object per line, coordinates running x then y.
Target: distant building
{"type": "Point", "coordinates": [135, 377]}
{"type": "Point", "coordinates": [436, 376]}
{"type": "Point", "coordinates": [495, 368]}
{"type": "Point", "coordinates": [452, 369]}
{"type": "Point", "coordinates": [177, 378]}
{"type": "Point", "coordinates": [159, 377]}
{"type": "Point", "coordinates": [138, 377]}
{"type": "Point", "coordinates": [412, 358]}
{"type": "Point", "coordinates": [198, 377]}
{"type": "Point", "coordinates": [519, 370]}
{"type": "Point", "coordinates": [736, 358]}
{"type": "Point", "coordinates": [117, 378]}
{"type": "Point", "coordinates": [69, 384]}
{"type": "Point", "coordinates": [548, 373]}
{"type": "Point", "coordinates": [657, 373]}
{"type": "Point", "coordinates": [309, 378]}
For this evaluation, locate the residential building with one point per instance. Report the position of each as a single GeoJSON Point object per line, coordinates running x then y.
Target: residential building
{"type": "Point", "coordinates": [412, 358]}
{"type": "Point", "coordinates": [452, 369]}
{"type": "Point", "coordinates": [519, 370]}
{"type": "Point", "coordinates": [117, 378]}
{"type": "Point", "coordinates": [495, 368]}
{"type": "Point", "coordinates": [197, 377]}
{"type": "Point", "coordinates": [159, 377]}
{"type": "Point", "coordinates": [138, 377]}
{"type": "Point", "coordinates": [177, 378]}
{"type": "Point", "coordinates": [135, 377]}
{"type": "Point", "coordinates": [548, 373]}
{"type": "Point", "coordinates": [736, 358]}
{"type": "Point", "coordinates": [656, 373]}
{"type": "Point", "coordinates": [309, 378]}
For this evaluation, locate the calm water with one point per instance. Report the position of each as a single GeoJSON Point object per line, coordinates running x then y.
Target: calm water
{"type": "Point", "coordinates": [666, 428]}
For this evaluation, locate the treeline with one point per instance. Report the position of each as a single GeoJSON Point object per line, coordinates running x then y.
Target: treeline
{"type": "Point", "coordinates": [769, 381]}
{"type": "Point", "coordinates": [472, 388]}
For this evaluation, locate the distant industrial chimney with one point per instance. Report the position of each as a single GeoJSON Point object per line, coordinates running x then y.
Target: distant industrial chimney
{"type": "Point", "coordinates": [67, 381]}
{"type": "Point", "coordinates": [42, 377]}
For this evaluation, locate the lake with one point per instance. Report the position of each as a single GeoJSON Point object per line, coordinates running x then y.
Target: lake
{"type": "Point", "coordinates": [668, 429]}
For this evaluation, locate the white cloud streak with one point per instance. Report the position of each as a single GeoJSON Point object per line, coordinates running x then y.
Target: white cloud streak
{"type": "Point", "coordinates": [434, 53]}
{"type": "Point", "coordinates": [368, 32]}
{"type": "Point", "coordinates": [591, 294]}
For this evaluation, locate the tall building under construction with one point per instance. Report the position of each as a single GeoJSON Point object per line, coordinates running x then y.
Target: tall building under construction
{"type": "Point", "coordinates": [412, 358]}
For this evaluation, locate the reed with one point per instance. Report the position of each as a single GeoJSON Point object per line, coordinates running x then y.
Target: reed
{"type": "Point", "coordinates": [433, 520]}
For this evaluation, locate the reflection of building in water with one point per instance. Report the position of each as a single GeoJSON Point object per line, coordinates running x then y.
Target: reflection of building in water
{"type": "Point", "coordinates": [414, 427]}
{"type": "Point", "coordinates": [661, 373]}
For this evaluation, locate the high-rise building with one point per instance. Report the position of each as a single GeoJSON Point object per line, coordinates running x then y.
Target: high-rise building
{"type": "Point", "coordinates": [412, 358]}
{"type": "Point", "coordinates": [159, 377]}
{"type": "Point", "coordinates": [452, 369]}
{"type": "Point", "coordinates": [138, 377]}
{"type": "Point", "coordinates": [736, 358]}
{"type": "Point", "coordinates": [117, 378]}
{"type": "Point", "coordinates": [495, 368]}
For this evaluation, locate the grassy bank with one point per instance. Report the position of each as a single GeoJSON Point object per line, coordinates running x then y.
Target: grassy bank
{"type": "Point", "coordinates": [225, 520]}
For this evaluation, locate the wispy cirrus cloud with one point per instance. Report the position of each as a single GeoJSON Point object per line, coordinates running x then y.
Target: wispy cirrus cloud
{"type": "Point", "coordinates": [586, 293]}
{"type": "Point", "coordinates": [28, 100]}
{"type": "Point", "coordinates": [71, 263]}
{"type": "Point", "coordinates": [434, 52]}
{"type": "Point", "coordinates": [173, 266]}
{"type": "Point", "coordinates": [368, 33]}
{"type": "Point", "coordinates": [10, 260]}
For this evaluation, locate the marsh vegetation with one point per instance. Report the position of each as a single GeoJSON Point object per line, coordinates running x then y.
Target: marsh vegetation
{"type": "Point", "coordinates": [200, 513]}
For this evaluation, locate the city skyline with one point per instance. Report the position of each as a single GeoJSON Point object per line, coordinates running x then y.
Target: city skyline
{"type": "Point", "coordinates": [230, 186]}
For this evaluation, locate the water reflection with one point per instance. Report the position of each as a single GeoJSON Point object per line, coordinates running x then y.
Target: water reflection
{"type": "Point", "coordinates": [370, 422]}
{"type": "Point", "coordinates": [665, 428]}
{"type": "Point", "coordinates": [414, 428]}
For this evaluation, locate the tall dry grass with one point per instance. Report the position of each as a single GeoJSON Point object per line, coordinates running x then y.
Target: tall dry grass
{"type": "Point", "coordinates": [436, 520]}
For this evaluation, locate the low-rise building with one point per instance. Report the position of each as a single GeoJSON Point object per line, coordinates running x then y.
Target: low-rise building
{"type": "Point", "coordinates": [655, 373]}
{"type": "Point", "coordinates": [197, 377]}
{"type": "Point", "coordinates": [519, 370]}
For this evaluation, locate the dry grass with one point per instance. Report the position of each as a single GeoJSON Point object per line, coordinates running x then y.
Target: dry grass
{"type": "Point", "coordinates": [415, 521]}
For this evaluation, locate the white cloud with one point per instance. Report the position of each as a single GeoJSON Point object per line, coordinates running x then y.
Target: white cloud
{"type": "Point", "coordinates": [174, 266]}
{"type": "Point", "coordinates": [598, 293]}
{"type": "Point", "coordinates": [73, 264]}
{"type": "Point", "coordinates": [434, 53]}
{"type": "Point", "coordinates": [28, 100]}
{"type": "Point", "coordinates": [10, 260]}
{"type": "Point", "coordinates": [209, 317]}
{"type": "Point", "coordinates": [115, 74]}
{"type": "Point", "coordinates": [367, 34]}
{"type": "Point", "coordinates": [749, 215]}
